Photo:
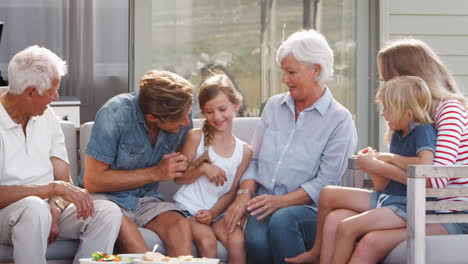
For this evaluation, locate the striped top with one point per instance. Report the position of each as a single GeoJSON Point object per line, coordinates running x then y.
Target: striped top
{"type": "Point", "coordinates": [451, 120]}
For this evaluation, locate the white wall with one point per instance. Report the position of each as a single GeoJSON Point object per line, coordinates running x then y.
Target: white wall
{"type": "Point", "coordinates": [441, 24]}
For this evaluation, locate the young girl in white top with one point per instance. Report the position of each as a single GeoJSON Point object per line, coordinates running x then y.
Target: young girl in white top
{"type": "Point", "coordinates": [218, 161]}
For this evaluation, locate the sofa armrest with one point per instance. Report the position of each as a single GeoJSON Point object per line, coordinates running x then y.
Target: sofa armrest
{"type": "Point", "coordinates": [417, 204]}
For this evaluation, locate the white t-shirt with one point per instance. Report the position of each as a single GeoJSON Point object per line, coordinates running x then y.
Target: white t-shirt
{"type": "Point", "coordinates": [202, 194]}
{"type": "Point", "coordinates": [25, 159]}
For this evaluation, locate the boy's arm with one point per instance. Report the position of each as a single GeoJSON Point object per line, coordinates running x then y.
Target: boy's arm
{"type": "Point", "coordinates": [379, 182]}
{"type": "Point", "coordinates": [370, 164]}
{"type": "Point", "coordinates": [189, 149]}
{"type": "Point", "coordinates": [401, 162]}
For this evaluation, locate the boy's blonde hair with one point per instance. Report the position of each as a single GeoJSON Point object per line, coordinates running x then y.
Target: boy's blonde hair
{"type": "Point", "coordinates": [405, 93]}
{"type": "Point", "coordinates": [210, 88]}
{"type": "Point", "coordinates": [415, 58]}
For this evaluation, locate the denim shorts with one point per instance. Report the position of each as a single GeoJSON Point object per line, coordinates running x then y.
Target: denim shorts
{"type": "Point", "coordinates": [395, 203]}
{"type": "Point", "coordinates": [456, 228]}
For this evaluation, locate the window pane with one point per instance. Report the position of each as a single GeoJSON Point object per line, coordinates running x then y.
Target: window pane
{"type": "Point", "coordinates": [189, 35]}
{"type": "Point", "coordinates": [338, 24]}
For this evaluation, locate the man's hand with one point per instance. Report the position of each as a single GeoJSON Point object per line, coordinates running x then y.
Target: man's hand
{"type": "Point", "coordinates": [204, 217]}
{"type": "Point", "coordinates": [214, 174]}
{"type": "Point", "coordinates": [78, 196]}
{"type": "Point", "coordinates": [54, 228]}
{"type": "Point", "coordinates": [172, 165]}
{"type": "Point", "coordinates": [236, 214]}
{"type": "Point", "coordinates": [264, 204]}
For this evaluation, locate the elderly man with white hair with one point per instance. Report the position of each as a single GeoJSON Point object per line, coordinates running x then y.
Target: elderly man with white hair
{"type": "Point", "coordinates": [301, 145]}
{"type": "Point", "coordinates": [38, 202]}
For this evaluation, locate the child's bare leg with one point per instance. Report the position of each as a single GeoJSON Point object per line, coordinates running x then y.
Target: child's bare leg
{"type": "Point", "coordinates": [350, 229]}
{"type": "Point", "coordinates": [375, 246]}
{"type": "Point", "coordinates": [204, 239]}
{"type": "Point", "coordinates": [234, 242]}
{"type": "Point", "coordinates": [331, 198]}
{"type": "Point", "coordinates": [329, 232]}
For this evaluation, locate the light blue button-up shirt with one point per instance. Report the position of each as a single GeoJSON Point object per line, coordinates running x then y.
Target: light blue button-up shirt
{"type": "Point", "coordinates": [309, 153]}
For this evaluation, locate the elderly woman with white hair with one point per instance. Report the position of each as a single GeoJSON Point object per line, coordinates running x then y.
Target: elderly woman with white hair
{"type": "Point", "coordinates": [301, 145]}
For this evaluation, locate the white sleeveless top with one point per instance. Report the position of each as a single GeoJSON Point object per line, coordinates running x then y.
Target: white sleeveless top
{"type": "Point", "coordinates": [202, 194]}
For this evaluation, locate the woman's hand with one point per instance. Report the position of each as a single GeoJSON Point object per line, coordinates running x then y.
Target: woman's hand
{"type": "Point", "coordinates": [204, 217]}
{"type": "Point", "coordinates": [264, 204]}
{"type": "Point", "coordinates": [214, 174]}
{"type": "Point", "coordinates": [236, 214]}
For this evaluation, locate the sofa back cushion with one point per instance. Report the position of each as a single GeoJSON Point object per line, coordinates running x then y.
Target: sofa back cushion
{"type": "Point", "coordinates": [243, 128]}
{"type": "Point", "coordinates": [69, 131]}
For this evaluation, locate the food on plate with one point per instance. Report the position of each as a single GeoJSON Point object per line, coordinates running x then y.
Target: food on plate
{"type": "Point", "coordinates": [103, 257]}
{"type": "Point", "coordinates": [155, 256]}
{"type": "Point", "coordinates": [191, 258]}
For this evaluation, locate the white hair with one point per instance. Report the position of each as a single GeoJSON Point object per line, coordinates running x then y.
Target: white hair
{"type": "Point", "coordinates": [34, 66]}
{"type": "Point", "coordinates": [309, 47]}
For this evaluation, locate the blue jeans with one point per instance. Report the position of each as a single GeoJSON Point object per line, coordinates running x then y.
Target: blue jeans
{"type": "Point", "coordinates": [286, 233]}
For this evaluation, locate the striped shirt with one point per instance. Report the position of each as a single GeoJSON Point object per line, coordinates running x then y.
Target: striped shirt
{"type": "Point", "coordinates": [451, 120]}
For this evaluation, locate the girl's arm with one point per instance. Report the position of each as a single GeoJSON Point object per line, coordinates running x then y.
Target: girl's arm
{"type": "Point", "coordinates": [192, 140]}
{"type": "Point", "coordinates": [229, 197]}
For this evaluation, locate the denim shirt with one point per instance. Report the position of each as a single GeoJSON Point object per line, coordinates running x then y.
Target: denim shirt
{"type": "Point", "coordinates": [419, 138]}
{"type": "Point", "coordinates": [120, 138]}
{"type": "Point", "coordinates": [309, 153]}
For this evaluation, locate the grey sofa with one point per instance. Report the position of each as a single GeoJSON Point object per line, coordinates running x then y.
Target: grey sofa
{"type": "Point", "coordinates": [439, 248]}
{"type": "Point", "coordinates": [63, 251]}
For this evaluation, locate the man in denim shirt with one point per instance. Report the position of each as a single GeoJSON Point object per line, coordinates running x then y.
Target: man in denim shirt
{"type": "Point", "coordinates": [132, 148]}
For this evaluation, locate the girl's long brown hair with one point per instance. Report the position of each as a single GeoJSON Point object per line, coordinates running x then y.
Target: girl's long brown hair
{"type": "Point", "coordinates": [209, 89]}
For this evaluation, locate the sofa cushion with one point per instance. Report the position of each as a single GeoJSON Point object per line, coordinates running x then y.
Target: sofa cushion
{"type": "Point", "coordinates": [439, 249]}
{"type": "Point", "coordinates": [58, 250]}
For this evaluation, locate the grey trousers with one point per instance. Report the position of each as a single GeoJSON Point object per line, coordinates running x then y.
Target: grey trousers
{"type": "Point", "coordinates": [26, 223]}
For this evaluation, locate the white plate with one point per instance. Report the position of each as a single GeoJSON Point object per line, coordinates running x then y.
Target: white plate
{"type": "Point", "coordinates": [197, 261]}
{"type": "Point", "coordinates": [132, 256]}
{"type": "Point", "coordinates": [91, 261]}
{"type": "Point", "coordinates": [140, 261]}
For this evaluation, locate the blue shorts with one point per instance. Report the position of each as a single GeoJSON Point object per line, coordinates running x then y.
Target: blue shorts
{"type": "Point", "coordinates": [395, 203]}
{"type": "Point", "coordinates": [398, 205]}
{"type": "Point", "coordinates": [456, 228]}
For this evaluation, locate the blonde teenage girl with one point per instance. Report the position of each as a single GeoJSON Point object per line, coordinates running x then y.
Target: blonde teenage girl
{"type": "Point", "coordinates": [219, 160]}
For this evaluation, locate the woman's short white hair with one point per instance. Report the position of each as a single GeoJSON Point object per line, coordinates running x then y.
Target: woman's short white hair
{"type": "Point", "coordinates": [34, 66]}
{"type": "Point", "coordinates": [309, 47]}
